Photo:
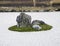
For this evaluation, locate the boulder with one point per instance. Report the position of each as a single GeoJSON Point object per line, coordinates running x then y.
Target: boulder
{"type": "Point", "coordinates": [37, 22]}
{"type": "Point", "coordinates": [23, 20]}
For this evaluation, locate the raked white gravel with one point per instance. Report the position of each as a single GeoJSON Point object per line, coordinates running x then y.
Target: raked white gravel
{"type": "Point", "coordinates": [40, 38]}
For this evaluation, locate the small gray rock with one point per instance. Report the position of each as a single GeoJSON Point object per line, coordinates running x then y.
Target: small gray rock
{"type": "Point", "coordinates": [37, 22]}
{"type": "Point", "coordinates": [37, 27]}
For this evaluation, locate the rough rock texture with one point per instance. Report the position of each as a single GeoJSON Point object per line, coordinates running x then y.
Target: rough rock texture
{"type": "Point", "coordinates": [37, 22]}
{"type": "Point", "coordinates": [23, 20]}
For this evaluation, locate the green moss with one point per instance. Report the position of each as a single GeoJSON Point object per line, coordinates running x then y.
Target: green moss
{"type": "Point", "coordinates": [46, 27]}
{"type": "Point", "coordinates": [29, 29]}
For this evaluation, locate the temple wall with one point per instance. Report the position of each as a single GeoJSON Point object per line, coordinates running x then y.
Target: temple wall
{"type": "Point", "coordinates": [25, 2]}
{"type": "Point", "coordinates": [56, 1]}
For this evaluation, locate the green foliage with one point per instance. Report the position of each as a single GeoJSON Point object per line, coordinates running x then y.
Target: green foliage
{"type": "Point", "coordinates": [29, 29]}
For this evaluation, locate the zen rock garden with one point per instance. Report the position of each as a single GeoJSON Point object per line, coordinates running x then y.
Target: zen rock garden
{"type": "Point", "coordinates": [24, 24]}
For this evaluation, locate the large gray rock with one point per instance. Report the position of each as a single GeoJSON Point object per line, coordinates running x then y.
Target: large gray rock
{"type": "Point", "coordinates": [23, 20]}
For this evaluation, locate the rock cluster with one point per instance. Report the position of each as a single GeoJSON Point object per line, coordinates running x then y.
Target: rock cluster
{"type": "Point", "coordinates": [24, 20]}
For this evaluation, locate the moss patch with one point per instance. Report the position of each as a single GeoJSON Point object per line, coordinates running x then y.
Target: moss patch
{"type": "Point", "coordinates": [29, 29]}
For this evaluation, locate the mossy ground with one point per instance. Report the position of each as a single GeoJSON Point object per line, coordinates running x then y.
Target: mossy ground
{"type": "Point", "coordinates": [29, 29]}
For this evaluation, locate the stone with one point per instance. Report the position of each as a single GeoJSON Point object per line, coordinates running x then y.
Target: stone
{"type": "Point", "coordinates": [23, 20]}
{"type": "Point", "coordinates": [37, 22]}
{"type": "Point", "coordinates": [37, 27]}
